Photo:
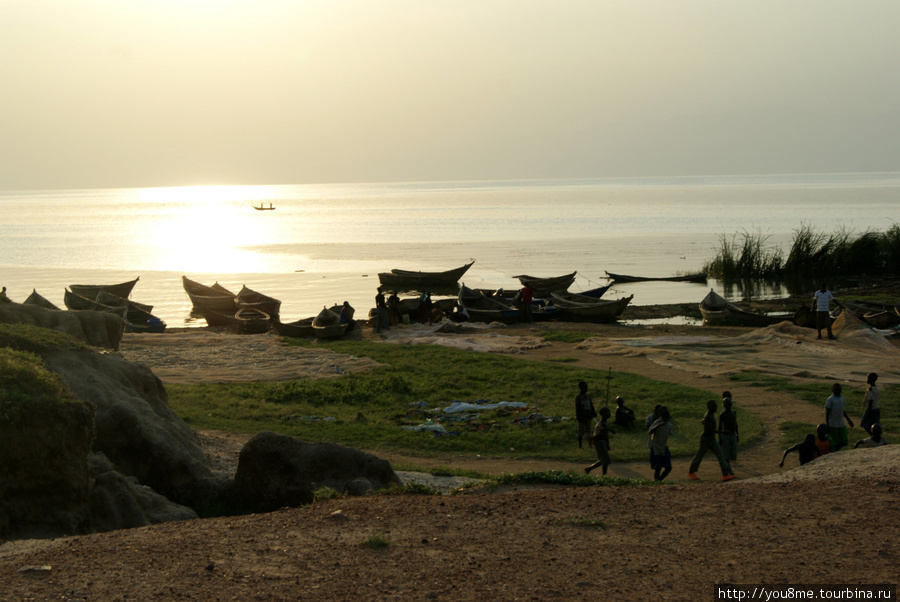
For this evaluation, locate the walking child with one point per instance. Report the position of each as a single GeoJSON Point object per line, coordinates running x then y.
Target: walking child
{"type": "Point", "coordinates": [601, 442]}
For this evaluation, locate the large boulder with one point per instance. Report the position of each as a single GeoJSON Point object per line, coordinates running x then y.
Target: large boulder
{"type": "Point", "coordinates": [98, 329]}
{"type": "Point", "coordinates": [121, 502]}
{"type": "Point", "coordinates": [136, 428]}
{"type": "Point", "coordinates": [275, 471]}
{"type": "Point", "coordinates": [44, 483]}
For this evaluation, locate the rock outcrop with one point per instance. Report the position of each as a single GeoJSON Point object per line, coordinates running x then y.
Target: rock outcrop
{"type": "Point", "coordinates": [94, 328]}
{"type": "Point", "coordinates": [275, 471]}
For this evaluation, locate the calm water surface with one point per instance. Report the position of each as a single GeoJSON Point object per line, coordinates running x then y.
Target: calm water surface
{"type": "Point", "coordinates": [326, 243]}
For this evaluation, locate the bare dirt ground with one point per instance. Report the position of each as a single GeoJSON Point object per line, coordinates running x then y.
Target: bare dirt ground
{"type": "Point", "coordinates": [833, 521]}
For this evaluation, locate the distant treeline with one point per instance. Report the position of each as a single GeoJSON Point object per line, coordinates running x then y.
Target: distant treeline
{"type": "Point", "coordinates": [813, 253]}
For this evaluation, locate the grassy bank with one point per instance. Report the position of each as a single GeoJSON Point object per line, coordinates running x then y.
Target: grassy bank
{"type": "Point", "coordinates": [371, 409]}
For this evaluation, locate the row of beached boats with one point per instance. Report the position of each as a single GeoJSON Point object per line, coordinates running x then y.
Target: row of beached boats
{"type": "Point", "coordinates": [112, 298]}
{"type": "Point", "coordinates": [249, 312]}
{"type": "Point", "coordinates": [715, 309]}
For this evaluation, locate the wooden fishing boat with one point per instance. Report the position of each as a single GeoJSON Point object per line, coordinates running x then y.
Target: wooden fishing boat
{"type": "Point", "coordinates": [76, 302]}
{"type": "Point", "coordinates": [878, 315]}
{"type": "Point", "coordinates": [588, 309]}
{"type": "Point", "coordinates": [300, 328]}
{"type": "Point", "coordinates": [482, 308]}
{"type": "Point", "coordinates": [327, 325]}
{"type": "Point", "coordinates": [699, 278]}
{"type": "Point", "coordinates": [714, 308]}
{"type": "Point", "coordinates": [209, 297]}
{"type": "Point", "coordinates": [248, 298]}
{"type": "Point", "coordinates": [542, 308]}
{"type": "Point", "coordinates": [596, 293]}
{"type": "Point", "coordinates": [107, 298]}
{"type": "Point", "coordinates": [409, 280]}
{"type": "Point", "coordinates": [755, 320]}
{"type": "Point", "coordinates": [89, 291]}
{"type": "Point", "coordinates": [247, 321]}
{"type": "Point", "coordinates": [543, 287]}
{"type": "Point", "coordinates": [36, 299]}
{"type": "Point", "coordinates": [138, 320]}
{"type": "Point", "coordinates": [262, 208]}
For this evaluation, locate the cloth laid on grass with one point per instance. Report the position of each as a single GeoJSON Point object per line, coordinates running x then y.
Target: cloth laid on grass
{"type": "Point", "coordinates": [781, 349]}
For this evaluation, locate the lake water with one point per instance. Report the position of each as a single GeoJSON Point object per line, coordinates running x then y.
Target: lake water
{"type": "Point", "coordinates": [324, 244]}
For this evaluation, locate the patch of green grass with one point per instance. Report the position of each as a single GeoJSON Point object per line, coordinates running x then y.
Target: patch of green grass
{"type": "Point", "coordinates": [27, 387]}
{"type": "Point", "coordinates": [565, 336]}
{"type": "Point", "coordinates": [563, 360]}
{"type": "Point", "coordinates": [569, 479]}
{"type": "Point", "coordinates": [26, 337]}
{"type": "Point", "coordinates": [589, 523]}
{"type": "Point", "coordinates": [816, 393]}
{"type": "Point", "coordinates": [376, 541]}
{"type": "Point", "coordinates": [418, 382]}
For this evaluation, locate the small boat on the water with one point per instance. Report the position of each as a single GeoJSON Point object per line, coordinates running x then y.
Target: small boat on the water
{"type": "Point", "coordinates": [482, 308]}
{"type": "Point", "coordinates": [589, 309]}
{"type": "Point", "coordinates": [36, 299]}
{"type": "Point", "coordinates": [299, 328]}
{"type": "Point", "coordinates": [248, 298]}
{"type": "Point", "coordinates": [699, 278]}
{"type": "Point", "coordinates": [409, 280]}
{"type": "Point", "coordinates": [89, 291]}
{"type": "Point", "coordinates": [209, 297]}
{"type": "Point", "coordinates": [543, 287]}
{"type": "Point", "coordinates": [596, 293]}
{"type": "Point", "coordinates": [327, 325]}
{"type": "Point", "coordinates": [262, 208]}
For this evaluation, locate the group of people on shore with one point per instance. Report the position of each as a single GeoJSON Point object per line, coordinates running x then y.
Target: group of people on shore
{"type": "Point", "coordinates": [720, 433]}
{"type": "Point", "coordinates": [388, 312]}
{"type": "Point", "coordinates": [832, 435]}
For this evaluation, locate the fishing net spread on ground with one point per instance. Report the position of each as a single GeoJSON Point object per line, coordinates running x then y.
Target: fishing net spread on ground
{"type": "Point", "coordinates": [782, 349]}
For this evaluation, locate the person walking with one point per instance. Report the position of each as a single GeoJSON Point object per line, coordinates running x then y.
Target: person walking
{"type": "Point", "coordinates": [661, 457]}
{"type": "Point", "coordinates": [601, 442]}
{"type": "Point", "coordinates": [708, 442]}
{"type": "Point", "coordinates": [728, 429]}
{"type": "Point", "coordinates": [871, 408]}
{"type": "Point", "coordinates": [584, 411]}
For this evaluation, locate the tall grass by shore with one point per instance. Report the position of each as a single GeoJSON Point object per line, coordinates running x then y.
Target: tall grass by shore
{"type": "Point", "coordinates": [746, 255]}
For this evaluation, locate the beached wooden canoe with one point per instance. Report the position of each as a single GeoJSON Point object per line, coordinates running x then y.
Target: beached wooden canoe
{"type": "Point", "coordinates": [246, 321]}
{"type": "Point", "coordinates": [107, 298]}
{"type": "Point", "coordinates": [36, 299]}
{"type": "Point", "coordinates": [482, 308]}
{"type": "Point", "coordinates": [714, 308]}
{"type": "Point", "coordinates": [138, 320]}
{"type": "Point", "coordinates": [755, 320]}
{"type": "Point", "coordinates": [89, 291]}
{"type": "Point", "coordinates": [406, 280]}
{"type": "Point", "coordinates": [300, 328]}
{"type": "Point", "coordinates": [209, 297]}
{"type": "Point", "coordinates": [596, 293]}
{"type": "Point", "coordinates": [588, 309]}
{"type": "Point", "coordinates": [543, 287]}
{"type": "Point", "coordinates": [327, 325]}
{"type": "Point", "coordinates": [700, 278]}
{"type": "Point", "coordinates": [878, 315]}
{"type": "Point", "coordinates": [77, 302]}
{"type": "Point", "coordinates": [248, 298]}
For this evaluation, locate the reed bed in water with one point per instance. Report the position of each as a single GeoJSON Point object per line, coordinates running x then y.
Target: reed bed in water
{"type": "Point", "coordinates": [746, 255]}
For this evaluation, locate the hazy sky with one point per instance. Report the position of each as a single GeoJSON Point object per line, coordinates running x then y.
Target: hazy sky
{"type": "Point", "coordinates": [111, 93]}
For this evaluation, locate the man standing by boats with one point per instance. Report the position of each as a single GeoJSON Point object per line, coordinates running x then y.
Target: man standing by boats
{"type": "Point", "coordinates": [381, 315]}
{"type": "Point", "coordinates": [526, 296]}
{"type": "Point", "coordinates": [822, 305]}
